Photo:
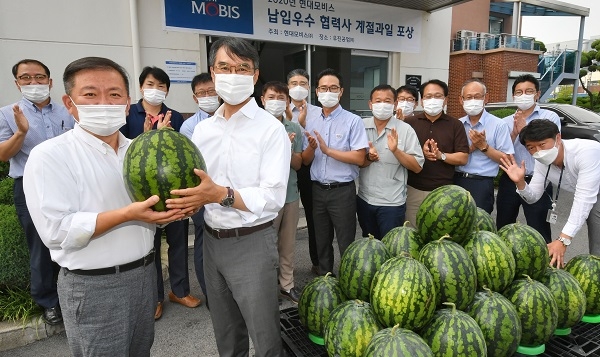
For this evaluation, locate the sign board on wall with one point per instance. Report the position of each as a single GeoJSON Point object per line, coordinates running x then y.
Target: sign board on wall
{"type": "Point", "coordinates": [413, 80]}
{"type": "Point", "coordinates": [339, 23]}
{"type": "Point", "coordinates": [181, 72]}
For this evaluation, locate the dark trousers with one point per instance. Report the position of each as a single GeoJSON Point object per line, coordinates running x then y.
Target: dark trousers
{"type": "Point", "coordinates": [508, 202]}
{"type": "Point", "coordinates": [333, 208]}
{"type": "Point", "coordinates": [178, 259]}
{"type": "Point", "coordinates": [44, 272]}
{"type": "Point", "coordinates": [306, 196]}
{"type": "Point", "coordinates": [378, 220]}
{"type": "Point", "coordinates": [198, 219]}
{"type": "Point", "coordinates": [480, 188]}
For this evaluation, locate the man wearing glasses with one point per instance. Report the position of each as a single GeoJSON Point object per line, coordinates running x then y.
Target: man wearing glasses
{"type": "Point", "coordinates": [23, 125]}
{"type": "Point", "coordinates": [247, 153]}
{"type": "Point", "coordinates": [526, 92]}
{"type": "Point", "coordinates": [336, 144]}
{"type": "Point", "coordinates": [407, 101]}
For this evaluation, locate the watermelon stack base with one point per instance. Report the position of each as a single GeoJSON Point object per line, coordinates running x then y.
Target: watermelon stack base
{"type": "Point", "coordinates": [295, 336]}
{"type": "Point", "coordinates": [531, 351]}
{"type": "Point", "coordinates": [562, 331]}
{"type": "Point", "coordinates": [316, 339]}
{"type": "Point", "coordinates": [591, 319]}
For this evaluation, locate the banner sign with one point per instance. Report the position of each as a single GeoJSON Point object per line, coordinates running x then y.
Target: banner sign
{"type": "Point", "coordinates": [331, 23]}
{"type": "Point", "coordinates": [181, 72]}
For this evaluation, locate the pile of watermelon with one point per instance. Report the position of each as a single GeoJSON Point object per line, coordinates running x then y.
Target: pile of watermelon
{"type": "Point", "coordinates": [451, 287]}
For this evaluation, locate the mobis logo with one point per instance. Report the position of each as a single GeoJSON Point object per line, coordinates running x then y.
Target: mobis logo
{"type": "Point", "coordinates": [212, 8]}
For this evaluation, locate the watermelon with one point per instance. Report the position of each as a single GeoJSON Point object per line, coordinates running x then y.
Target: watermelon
{"type": "Point", "coordinates": [529, 249]}
{"type": "Point", "coordinates": [586, 269]}
{"type": "Point", "coordinates": [350, 328]}
{"type": "Point", "coordinates": [403, 239]}
{"type": "Point", "coordinates": [403, 292]}
{"type": "Point", "coordinates": [452, 270]}
{"type": "Point", "coordinates": [361, 260]}
{"type": "Point", "coordinates": [568, 295]}
{"type": "Point", "coordinates": [498, 319]}
{"type": "Point", "coordinates": [536, 308]}
{"type": "Point", "coordinates": [318, 299]}
{"type": "Point", "coordinates": [493, 260]}
{"type": "Point", "coordinates": [484, 221]}
{"type": "Point", "coordinates": [159, 161]}
{"type": "Point", "coordinates": [448, 209]}
{"type": "Point", "coordinates": [395, 341]}
{"type": "Point", "coordinates": [453, 333]}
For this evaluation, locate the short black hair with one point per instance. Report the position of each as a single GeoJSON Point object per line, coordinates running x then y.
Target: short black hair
{"type": "Point", "coordinates": [234, 47]}
{"type": "Point", "coordinates": [88, 63]}
{"type": "Point", "coordinates": [526, 78]}
{"type": "Point", "coordinates": [15, 68]}
{"type": "Point", "coordinates": [436, 82]}
{"type": "Point", "coordinates": [330, 72]}
{"type": "Point", "coordinates": [384, 87]}
{"type": "Point", "coordinates": [157, 73]}
{"type": "Point", "coordinates": [199, 79]}
{"type": "Point", "coordinates": [298, 72]}
{"type": "Point", "coordinates": [277, 87]}
{"type": "Point", "coordinates": [473, 80]}
{"type": "Point", "coordinates": [410, 89]}
{"type": "Point", "coordinates": [538, 130]}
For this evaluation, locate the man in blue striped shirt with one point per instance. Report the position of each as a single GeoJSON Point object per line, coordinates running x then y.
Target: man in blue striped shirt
{"type": "Point", "coordinates": [23, 125]}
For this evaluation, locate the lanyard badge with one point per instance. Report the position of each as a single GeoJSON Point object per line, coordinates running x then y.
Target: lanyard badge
{"type": "Point", "coordinates": [552, 216]}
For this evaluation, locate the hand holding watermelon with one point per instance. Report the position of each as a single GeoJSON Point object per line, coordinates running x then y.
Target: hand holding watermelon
{"type": "Point", "coordinates": [142, 211]}
{"type": "Point", "coordinates": [193, 198]}
{"type": "Point", "coordinates": [557, 250]}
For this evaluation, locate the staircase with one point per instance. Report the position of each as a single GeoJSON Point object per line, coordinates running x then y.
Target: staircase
{"type": "Point", "coordinates": [558, 69]}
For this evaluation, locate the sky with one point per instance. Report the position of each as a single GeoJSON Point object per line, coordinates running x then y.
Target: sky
{"type": "Point", "coordinates": [551, 29]}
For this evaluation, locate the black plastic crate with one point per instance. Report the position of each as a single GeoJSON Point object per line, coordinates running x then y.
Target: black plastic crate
{"type": "Point", "coordinates": [295, 336]}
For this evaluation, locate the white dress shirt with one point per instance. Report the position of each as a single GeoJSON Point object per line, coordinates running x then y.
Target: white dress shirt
{"type": "Point", "coordinates": [581, 176]}
{"type": "Point", "coordinates": [68, 181]}
{"type": "Point", "coordinates": [250, 153]}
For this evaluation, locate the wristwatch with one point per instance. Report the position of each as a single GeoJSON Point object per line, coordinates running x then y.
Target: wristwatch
{"type": "Point", "coordinates": [443, 157]}
{"type": "Point", "coordinates": [485, 149]}
{"type": "Point", "coordinates": [229, 199]}
{"type": "Point", "coordinates": [565, 241]}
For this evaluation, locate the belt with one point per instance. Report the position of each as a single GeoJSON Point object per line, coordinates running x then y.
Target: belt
{"type": "Point", "coordinates": [235, 232]}
{"type": "Point", "coordinates": [471, 176]}
{"type": "Point", "coordinates": [332, 185]}
{"type": "Point", "coordinates": [149, 258]}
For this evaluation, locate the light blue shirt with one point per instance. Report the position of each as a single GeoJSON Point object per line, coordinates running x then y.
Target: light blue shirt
{"type": "Point", "coordinates": [312, 112]}
{"type": "Point", "coordinates": [51, 121]}
{"type": "Point", "coordinates": [343, 131]}
{"type": "Point", "coordinates": [497, 136]}
{"type": "Point", "coordinates": [521, 152]}
{"type": "Point", "coordinates": [187, 128]}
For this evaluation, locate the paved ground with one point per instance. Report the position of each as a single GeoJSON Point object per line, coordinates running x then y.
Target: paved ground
{"type": "Point", "coordinates": [183, 331]}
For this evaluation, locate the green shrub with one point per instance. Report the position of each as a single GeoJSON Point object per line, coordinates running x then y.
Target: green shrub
{"type": "Point", "coordinates": [6, 191]}
{"type": "Point", "coordinates": [17, 304]}
{"type": "Point", "coordinates": [3, 169]}
{"type": "Point", "coordinates": [503, 113]}
{"type": "Point", "coordinates": [14, 254]}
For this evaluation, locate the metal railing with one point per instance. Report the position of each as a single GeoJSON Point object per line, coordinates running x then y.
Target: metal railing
{"type": "Point", "coordinates": [489, 42]}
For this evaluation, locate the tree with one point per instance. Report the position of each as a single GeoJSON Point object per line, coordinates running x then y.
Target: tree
{"type": "Point", "coordinates": [589, 63]}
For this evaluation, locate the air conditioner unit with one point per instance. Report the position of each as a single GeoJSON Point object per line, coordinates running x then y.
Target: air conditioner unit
{"type": "Point", "coordinates": [486, 41]}
{"type": "Point", "coordinates": [465, 34]}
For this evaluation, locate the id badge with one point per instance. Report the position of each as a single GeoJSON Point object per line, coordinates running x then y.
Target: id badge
{"type": "Point", "coordinates": [551, 217]}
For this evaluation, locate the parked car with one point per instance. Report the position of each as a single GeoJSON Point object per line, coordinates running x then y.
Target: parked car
{"type": "Point", "coordinates": [576, 122]}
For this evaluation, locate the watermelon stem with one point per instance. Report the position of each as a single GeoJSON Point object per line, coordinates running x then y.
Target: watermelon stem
{"type": "Point", "coordinates": [406, 223]}
{"type": "Point", "coordinates": [487, 290]}
{"type": "Point", "coordinates": [327, 275]}
{"type": "Point", "coordinates": [371, 236]}
{"type": "Point", "coordinates": [528, 278]}
{"type": "Point", "coordinates": [393, 332]}
{"type": "Point", "coordinates": [453, 305]}
{"type": "Point", "coordinates": [444, 237]}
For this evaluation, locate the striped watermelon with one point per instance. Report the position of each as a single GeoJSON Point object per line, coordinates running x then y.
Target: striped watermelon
{"type": "Point", "coordinates": [403, 292]}
{"type": "Point", "coordinates": [395, 341]}
{"type": "Point", "coordinates": [361, 260]}
{"type": "Point", "coordinates": [537, 310]}
{"type": "Point", "coordinates": [319, 297]}
{"type": "Point", "coordinates": [498, 319]}
{"type": "Point", "coordinates": [484, 221]}
{"type": "Point", "coordinates": [493, 260]}
{"type": "Point", "coordinates": [159, 161]}
{"type": "Point", "coordinates": [586, 269]}
{"type": "Point", "coordinates": [403, 239]}
{"type": "Point", "coordinates": [448, 209]}
{"type": "Point", "coordinates": [568, 295]}
{"type": "Point", "coordinates": [350, 328]}
{"type": "Point", "coordinates": [453, 333]}
{"type": "Point", "coordinates": [529, 249]}
{"type": "Point", "coordinates": [453, 272]}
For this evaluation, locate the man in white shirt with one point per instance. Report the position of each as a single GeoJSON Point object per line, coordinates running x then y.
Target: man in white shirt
{"type": "Point", "coordinates": [572, 165]}
{"type": "Point", "coordinates": [103, 242]}
{"type": "Point", "coordinates": [247, 153]}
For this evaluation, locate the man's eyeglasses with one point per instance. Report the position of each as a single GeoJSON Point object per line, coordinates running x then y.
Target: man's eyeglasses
{"type": "Point", "coordinates": [528, 91]}
{"type": "Point", "coordinates": [37, 77]}
{"type": "Point", "coordinates": [332, 89]}
{"type": "Point", "coordinates": [471, 97]}
{"type": "Point", "coordinates": [239, 69]}
{"type": "Point", "coordinates": [204, 93]}
{"type": "Point", "coordinates": [432, 96]}
{"type": "Point", "coordinates": [407, 99]}
{"type": "Point", "coordinates": [302, 84]}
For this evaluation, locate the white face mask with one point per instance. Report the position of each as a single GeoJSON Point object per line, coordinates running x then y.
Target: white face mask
{"type": "Point", "coordinates": [298, 93]}
{"type": "Point", "coordinates": [154, 96]}
{"type": "Point", "coordinates": [473, 106]}
{"type": "Point", "coordinates": [547, 156]}
{"type": "Point", "coordinates": [234, 88]}
{"type": "Point", "coordinates": [329, 99]}
{"type": "Point", "coordinates": [102, 120]}
{"type": "Point", "coordinates": [275, 107]}
{"type": "Point", "coordinates": [406, 108]}
{"type": "Point", "coordinates": [433, 106]}
{"type": "Point", "coordinates": [36, 93]}
{"type": "Point", "coordinates": [209, 104]}
{"type": "Point", "coordinates": [525, 101]}
{"type": "Point", "coordinates": [382, 111]}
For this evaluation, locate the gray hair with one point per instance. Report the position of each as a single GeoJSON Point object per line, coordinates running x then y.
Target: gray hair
{"type": "Point", "coordinates": [234, 47]}
{"type": "Point", "coordinates": [473, 80]}
{"type": "Point", "coordinates": [298, 72]}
